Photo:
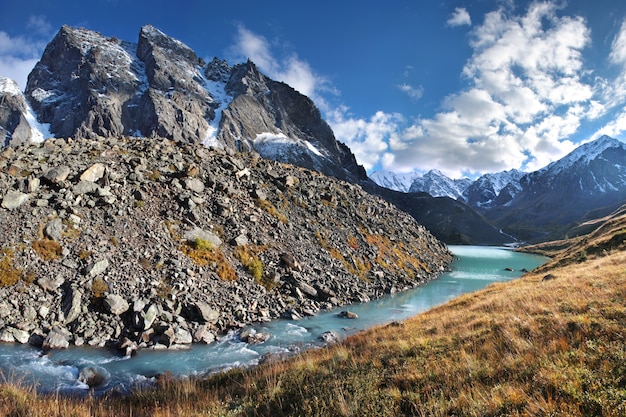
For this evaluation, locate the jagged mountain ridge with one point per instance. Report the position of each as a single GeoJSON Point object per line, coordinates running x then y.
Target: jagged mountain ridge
{"type": "Point", "coordinates": [587, 183]}
{"type": "Point", "coordinates": [493, 189]}
{"type": "Point", "coordinates": [435, 183]}
{"type": "Point", "coordinates": [89, 85]}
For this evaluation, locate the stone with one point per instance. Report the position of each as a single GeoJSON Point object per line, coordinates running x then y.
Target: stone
{"type": "Point", "coordinates": [54, 229]}
{"type": "Point", "coordinates": [251, 336]}
{"type": "Point", "coordinates": [51, 284]}
{"type": "Point", "coordinates": [182, 336]}
{"type": "Point", "coordinates": [57, 338]}
{"type": "Point", "coordinates": [92, 376]}
{"type": "Point", "coordinates": [33, 185]}
{"type": "Point", "coordinates": [14, 199]}
{"type": "Point", "coordinates": [206, 313]}
{"type": "Point", "coordinates": [58, 174]}
{"type": "Point", "coordinates": [205, 235]}
{"type": "Point", "coordinates": [72, 304]}
{"type": "Point", "coordinates": [5, 310]}
{"type": "Point", "coordinates": [93, 173]}
{"type": "Point", "coordinates": [6, 335]}
{"type": "Point", "coordinates": [329, 337]}
{"type": "Point", "coordinates": [240, 240]}
{"type": "Point", "coordinates": [115, 304]}
{"type": "Point", "coordinates": [194, 184]}
{"type": "Point", "coordinates": [21, 336]}
{"type": "Point", "coordinates": [348, 315]}
{"type": "Point", "coordinates": [85, 187]}
{"type": "Point", "coordinates": [306, 289]}
{"type": "Point", "coordinates": [97, 267]}
{"type": "Point", "coordinates": [203, 335]}
{"type": "Point", "coordinates": [290, 261]}
{"type": "Point", "coordinates": [149, 316]}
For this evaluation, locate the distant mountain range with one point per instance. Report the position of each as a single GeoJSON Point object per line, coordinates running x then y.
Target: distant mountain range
{"type": "Point", "coordinates": [541, 205]}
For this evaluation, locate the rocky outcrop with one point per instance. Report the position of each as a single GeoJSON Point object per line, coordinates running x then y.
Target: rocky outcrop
{"type": "Point", "coordinates": [153, 243]}
{"type": "Point", "coordinates": [14, 128]}
{"type": "Point", "coordinates": [88, 85]}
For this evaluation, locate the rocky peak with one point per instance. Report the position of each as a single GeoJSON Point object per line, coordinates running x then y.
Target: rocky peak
{"type": "Point", "coordinates": [218, 70]}
{"type": "Point", "coordinates": [88, 85]}
{"type": "Point", "coordinates": [14, 128]}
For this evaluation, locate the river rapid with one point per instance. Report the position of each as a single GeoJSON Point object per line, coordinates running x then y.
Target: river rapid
{"type": "Point", "coordinates": [474, 268]}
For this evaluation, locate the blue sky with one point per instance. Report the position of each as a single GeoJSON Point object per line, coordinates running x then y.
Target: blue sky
{"type": "Point", "coordinates": [466, 87]}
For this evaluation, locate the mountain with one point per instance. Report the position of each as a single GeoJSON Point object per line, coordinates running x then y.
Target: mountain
{"type": "Point", "coordinates": [438, 185]}
{"type": "Point", "coordinates": [14, 128]}
{"type": "Point", "coordinates": [88, 85]}
{"type": "Point", "coordinates": [394, 181]}
{"type": "Point", "coordinates": [589, 182]}
{"type": "Point", "coordinates": [493, 189]}
{"type": "Point", "coordinates": [447, 219]}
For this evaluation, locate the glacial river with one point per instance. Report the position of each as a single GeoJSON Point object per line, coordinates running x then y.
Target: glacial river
{"type": "Point", "coordinates": [475, 267]}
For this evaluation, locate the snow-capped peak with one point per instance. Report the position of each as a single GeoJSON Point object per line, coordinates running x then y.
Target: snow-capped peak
{"type": "Point", "coordinates": [583, 154]}
{"type": "Point", "coordinates": [9, 86]}
{"type": "Point", "coordinates": [394, 181]}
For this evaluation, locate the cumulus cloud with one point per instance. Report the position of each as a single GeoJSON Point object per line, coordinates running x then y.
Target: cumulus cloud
{"type": "Point", "coordinates": [19, 54]}
{"type": "Point", "coordinates": [525, 97]}
{"type": "Point", "coordinates": [290, 69]}
{"type": "Point", "coordinates": [415, 93]}
{"type": "Point", "coordinates": [459, 17]}
{"type": "Point", "coordinates": [369, 138]}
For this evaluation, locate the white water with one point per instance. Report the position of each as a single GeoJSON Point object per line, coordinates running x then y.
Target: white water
{"type": "Point", "coordinates": [58, 371]}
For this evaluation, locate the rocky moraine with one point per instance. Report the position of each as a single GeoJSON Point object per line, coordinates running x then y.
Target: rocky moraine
{"type": "Point", "coordinates": [150, 243]}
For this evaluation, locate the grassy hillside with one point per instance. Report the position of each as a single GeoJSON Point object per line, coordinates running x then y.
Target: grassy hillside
{"type": "Point", "coordinates": [550, 343]}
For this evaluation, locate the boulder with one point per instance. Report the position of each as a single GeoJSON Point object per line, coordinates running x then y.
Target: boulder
{"type": "Point", "coordinates": [149, 316]}
{"type": "Point", "coordinates": [54, 229]}
{"type": "Point", "coordinates": [51, 284]}
{"type": "Point", "coordinates": [13, 199]}
{"type": "Point", "coordinates": [329, 337]}
{"type": "Point", "coordinates": [57, 338]}
{"type": "Point", "coordinates": [72, 304]}
{"type": "Point", "coordinates": [93, 173]}
{"type": "Point", "coordinates": [92, 376]}
{"type": "Point", "coordinates": [206, 314]}
{"type": "Point", "coordinates": [97, 267]}
{"type": "Point", "coordinates": [194, 184]}
{"type": "Point", "coordinates": [57, 175]}
{"type": "Point", "coordinates": [115, 304]}
{"type": "Point", "coordinates": [348, 315]}
{"type": "Point", "coordinates": [203, 335]}
{"type": "Point", "coordinates": [197, 233]}
{"type": "Point", "coordinates": [182, 336]}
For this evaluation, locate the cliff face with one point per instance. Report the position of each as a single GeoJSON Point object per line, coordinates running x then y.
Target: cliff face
{"type": "Point", "coordinates": [88, 85]}
{"type": "Point", "coordinates": [14, 128]}
{"type": "Point", "coordinates": [161, 243]}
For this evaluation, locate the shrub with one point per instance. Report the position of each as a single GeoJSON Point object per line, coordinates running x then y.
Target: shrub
{"type": "Point", "coordinates": [9, 274]}
{"type": "Point", "coordinates": [99, 287]}
{"type": "Point", "coordinates": [202, 253]}
{"type": "Point", "coordinates": [47, 249]}
{"type": "Point", "coordinates": [250, 260]}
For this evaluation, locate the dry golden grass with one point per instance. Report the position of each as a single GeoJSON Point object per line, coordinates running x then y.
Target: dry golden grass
{"type": "Point", "coordinates": [530, 347]}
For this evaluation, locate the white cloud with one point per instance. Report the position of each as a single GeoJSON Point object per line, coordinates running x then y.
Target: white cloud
{"type": "Point", "coordinates": [414, 93]}
{"type": "Point", "coordinates": [19, 54]}
{"type": "Point", "coordinates": [291, 69]}
{"type": "Point", "coordinates": [369, 138]}
{"type": "Point", "coordinates": [459, 17]}
{"type": "Point", "coordinates": [525, 97]}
